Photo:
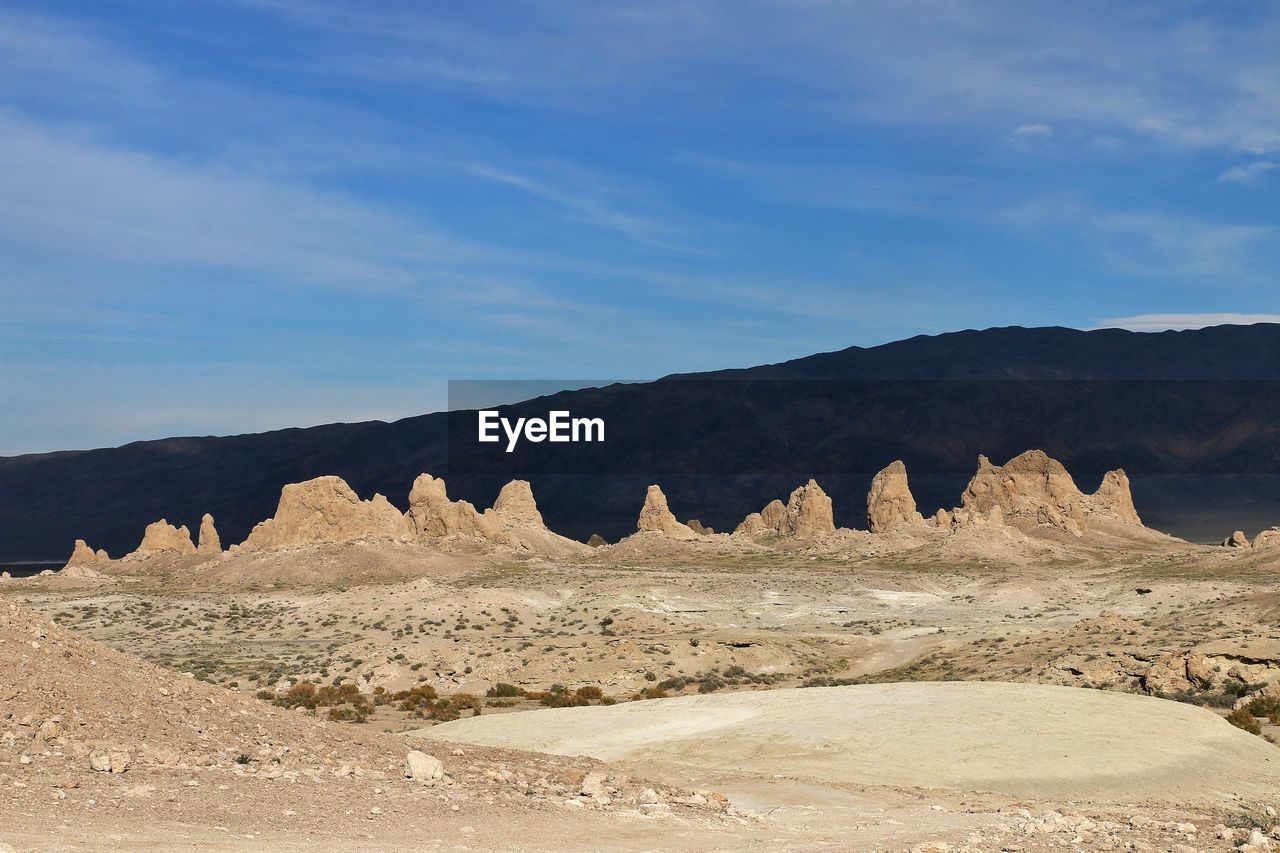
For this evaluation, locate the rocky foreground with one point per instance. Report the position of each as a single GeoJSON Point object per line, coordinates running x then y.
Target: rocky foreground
{"type": "Point", "coordinates": [90, 737]}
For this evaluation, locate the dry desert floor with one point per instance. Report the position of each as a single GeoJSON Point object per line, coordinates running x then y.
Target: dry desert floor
{"type": "Point", "coordinates": [649, 695]}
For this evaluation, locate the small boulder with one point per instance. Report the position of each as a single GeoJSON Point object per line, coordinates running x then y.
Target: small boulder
{"type": "Point", "coordinates": [424, 768]}
{"type": "Point", "coordinates": [1236, 540]}
{"type": "Point", "coordinates": [109, 761]}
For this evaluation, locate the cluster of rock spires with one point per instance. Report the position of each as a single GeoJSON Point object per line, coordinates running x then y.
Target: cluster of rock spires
{"type": "Point", "coordinates": [1031, 488]}
{"type": "Point", "coordinates": [1033, 485]}
{"type": "Point", "coordinates": [806, 514]}
{"type": "Point", "coordinates": [83, 559]}
{"type": "Point", "coordinates": [327, 510]}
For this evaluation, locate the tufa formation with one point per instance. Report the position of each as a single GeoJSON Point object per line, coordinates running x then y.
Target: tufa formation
{"type": "Point", "coordinates": [656, 517]}
{"type": "Point", "coordinates": [325, 510]}
{"type": "Point", "coordinates": [161, 537]}
{"type": "Point", "coordinates": [806, 514]}
{"type": "Point", "coordinates": [890, 503]}
{"type": "Point", "coordinates": [209, 544]}
{"type": "Point", "coordinates": [83, 555]}
{"type": "Point", "coordinates": [1033, 485]}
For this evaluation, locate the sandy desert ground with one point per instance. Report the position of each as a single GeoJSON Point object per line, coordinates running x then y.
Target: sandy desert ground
{"type": "Point", "coordinates": [995, 687]}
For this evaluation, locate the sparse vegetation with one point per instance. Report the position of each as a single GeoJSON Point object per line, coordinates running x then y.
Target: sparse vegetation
{"type": "Point", "coordinates": [1242, 719]}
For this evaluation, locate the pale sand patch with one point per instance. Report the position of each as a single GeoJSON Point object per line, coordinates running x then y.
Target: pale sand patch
{"type": "Point", "coordinates": [1015, 739]}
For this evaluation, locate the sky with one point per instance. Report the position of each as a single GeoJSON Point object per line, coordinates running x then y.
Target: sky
{"type": "Point", "coordinates": [224, 217]}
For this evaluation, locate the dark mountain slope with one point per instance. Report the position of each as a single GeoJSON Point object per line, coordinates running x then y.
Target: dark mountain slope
{"type": "Point", "coordinates": [1191, 415]}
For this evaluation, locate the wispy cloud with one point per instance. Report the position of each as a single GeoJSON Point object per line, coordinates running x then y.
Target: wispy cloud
{"type": "Point", "coordinates": [1164, 322]}
{"type": "Point", "coordinates": [1248, 174]}
{"type": "Point", "coordinates": [580, 197]}
{"type": "Point", "coordinates": [1034, 130]}
{"type": "Point", "coordinates": [62, 190]}
{"type": "Point", "coordinates": [1137, 71]}
{"type": "Point", "coordinates": [1155, 244]}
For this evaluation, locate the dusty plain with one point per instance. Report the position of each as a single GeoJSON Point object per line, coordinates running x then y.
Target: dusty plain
{"type": "Point", "coordinates": [653, 618]}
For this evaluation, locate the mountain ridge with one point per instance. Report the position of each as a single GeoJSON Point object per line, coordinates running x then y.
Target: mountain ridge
{"type": "Point", "coordinates": [934, 400]}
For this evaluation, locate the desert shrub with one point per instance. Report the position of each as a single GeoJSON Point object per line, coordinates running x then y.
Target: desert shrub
{"type": "Point", "coordinates": [423, 701]}
{"type": "Point", "coordinates": [1242, 719]}
{"type": "Point", "coordinates": [301, 694]}
{"type": "Point", "coordinates": [1240, 688]}
{"type": "Point", "coordinates": [1265, 706]}
{"type": "Point", "coordinates": [559, 696]}
{"type": "Point", "coordinates": [502, 690]}
{"type": "Point", "coordinates": [309, 696]}
{"type": "Point", "coordinates": [422, 694]}
{"type": "Point", "coordinates": [350, 713]}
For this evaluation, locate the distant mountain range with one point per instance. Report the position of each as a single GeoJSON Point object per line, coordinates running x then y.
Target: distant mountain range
{"type": "Point", "coordinates": [1193, 416]}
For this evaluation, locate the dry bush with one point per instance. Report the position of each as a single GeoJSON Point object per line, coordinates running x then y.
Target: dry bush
{"type": "Point", "coordinates": [1242, 719]}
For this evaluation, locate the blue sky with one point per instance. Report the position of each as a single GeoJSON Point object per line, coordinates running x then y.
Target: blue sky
{"type": "Point", "coordinates": [230, 216]}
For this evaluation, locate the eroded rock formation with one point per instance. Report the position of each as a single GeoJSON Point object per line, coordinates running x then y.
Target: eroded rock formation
{"type": "Point", "coordinates": [1267, 538]}
{"type": "Point", "coordinates": [209, 543]}
{"type": "Point", "coordinates": [809, 512]}
{"type": "Point", "coordinates": [433, 516]}
{"type": "Point", "coordinates": [656, 517]}
{"type": "Point", "coordinates": [512, 522]}
{"type": "Point", "coordinates": [83, 555]}
{"type": "Point", "coordinates": [890, 503]}
{"type": "Point", "coordinates": [161, 537]}
{"type": "Point", "coordinates": [326, 510]}
{"type": "Point", "coordinates": [1114, 498]}
{"type": "Point", "coordinates": [806, 514]}
{"type": "Point", "coordinates": [515, 505]}
{"type": "Point", "coordinates": [1034, 485]}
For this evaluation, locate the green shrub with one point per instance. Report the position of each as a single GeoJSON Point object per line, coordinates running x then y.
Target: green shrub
{"type": "Point", "coordinates": [1242, 719]}
{"type": "Point", "coordinates": [1265, 706]}
{"type": "Point", "coordinates": [504, 691]}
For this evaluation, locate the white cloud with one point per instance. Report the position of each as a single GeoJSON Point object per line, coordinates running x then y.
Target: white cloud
{"type": "Point", "coordinates": [1155, 244]}
{"type": "Point", "coordinates": [1164, 322]}
{"type": "Point", "coordinates": [585, 198]}
{"type": "Point", "coordinates": [958, 62]}
{"type": "Point", "coordinates": [1248, 174]}
{"type": "Point", "coordinates": [1034, 130]}
{"type": "Point", "coordinates": [62, 190]}
{"type": "Point", "coordinates": [1261, 142]}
